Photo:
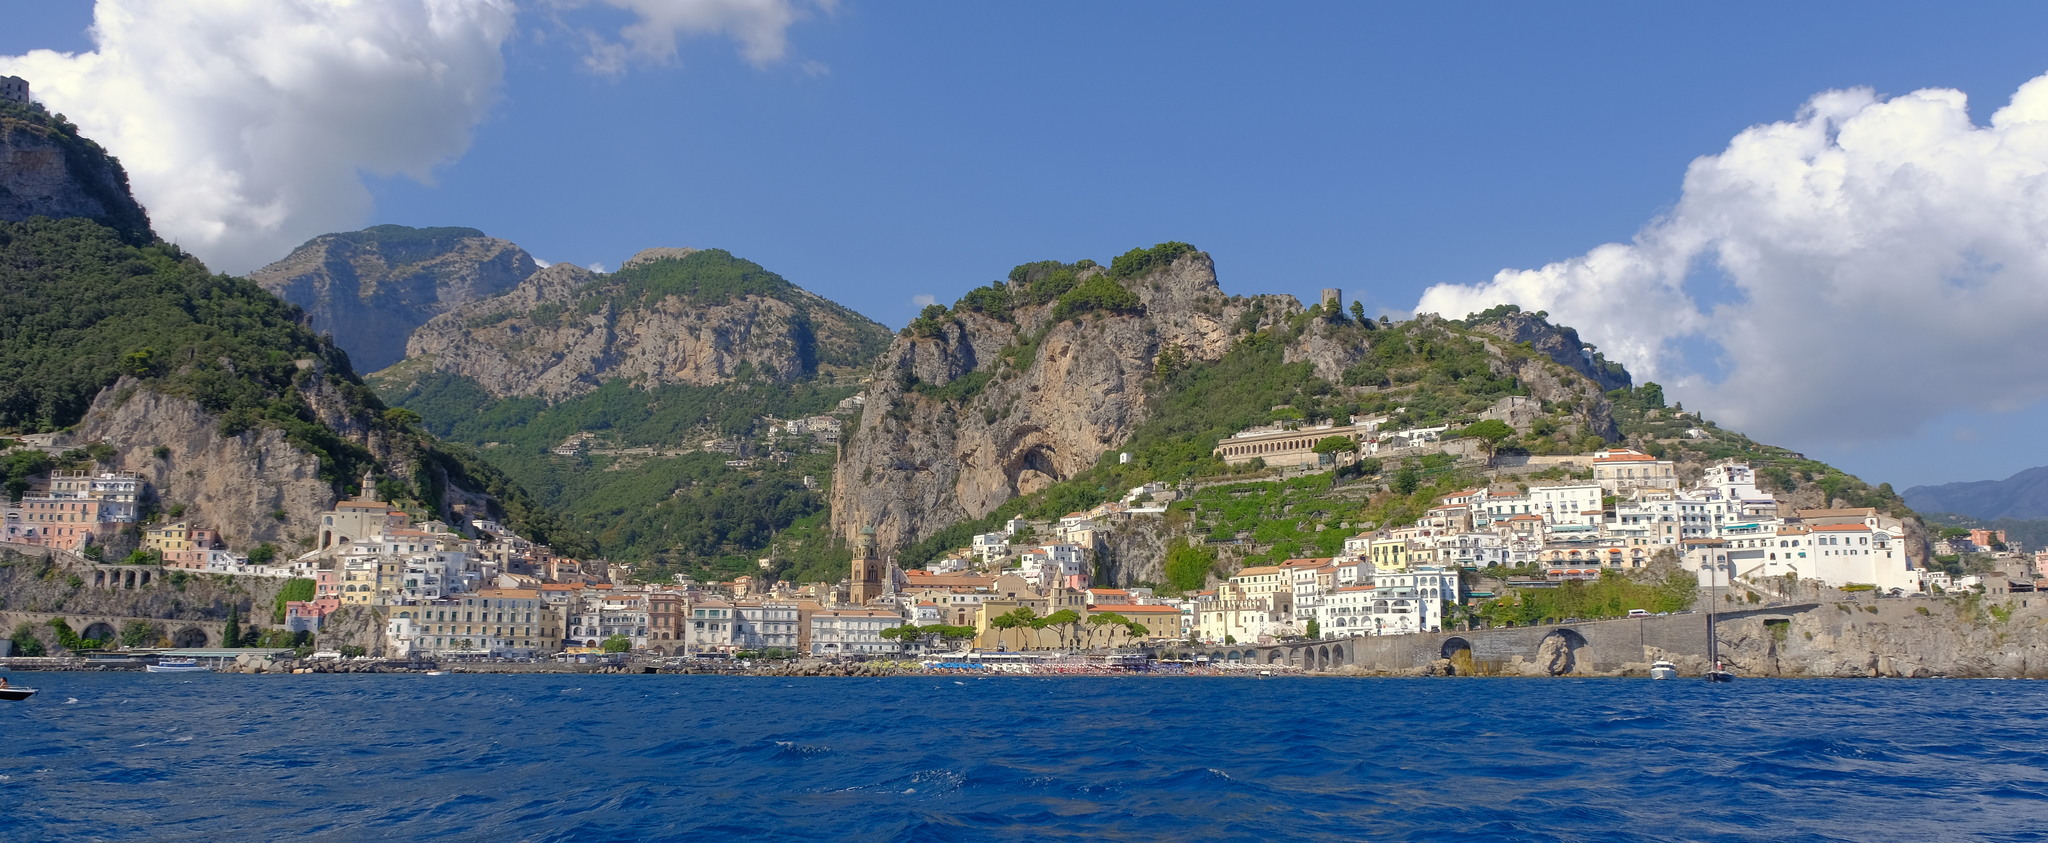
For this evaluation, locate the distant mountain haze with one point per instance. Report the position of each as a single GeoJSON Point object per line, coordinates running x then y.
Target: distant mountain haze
{"type": "Point", "coordinates": [2023, 495]}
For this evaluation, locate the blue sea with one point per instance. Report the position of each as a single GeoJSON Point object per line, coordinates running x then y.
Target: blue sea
{"type": "Point", "coordinates": [629, 758]}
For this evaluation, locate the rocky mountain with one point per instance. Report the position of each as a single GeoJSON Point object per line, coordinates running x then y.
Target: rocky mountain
{"type": "Point", "coordinates": [2022, 496]}
{"type": "Point", "coordinates": [1561, 344]}
{"type": "Point", "coordinates": [1026, 384]}
{"type": "Point", "coordinates": [668, 316]}
{"type": "Point", "coordinates": [371, 288]}
{"type": "Point", "coordinates": [47, 169]}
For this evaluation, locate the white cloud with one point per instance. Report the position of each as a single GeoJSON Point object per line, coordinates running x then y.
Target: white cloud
{"type": "Point", "coordinates": [542, 264]}
{"type": "Point", "coordinates": [923, 300]}
{"type": "Point", "coordinates": [597, 267]}
{"type": "Point", "coordinates": [245, 127]}
{"type": "Point", "coordinates": [1832, 267]}
{"type": "Point", "coordinates": [760, 26]}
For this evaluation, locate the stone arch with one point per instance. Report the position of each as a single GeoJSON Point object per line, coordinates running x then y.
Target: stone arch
{"type": "Point", "coordinates": [1232, 656]}
{"type": "Point", "coordinates": [1453, 645]}
{"type": "Point", "coordinates": [1273, 656]}
{"type": "Point", "coordinates": [100, 630]}
{"type": "Point", "coordinates": [190, 637]}
{"type": "Point", "coordinates": [1337, 656]}
{"type": "Point", "coordinates": [659, 651]}
{"type": "Point", "coordinates": [1558, 653]}
{"type": "Point", "coordinates": [1322, 658]}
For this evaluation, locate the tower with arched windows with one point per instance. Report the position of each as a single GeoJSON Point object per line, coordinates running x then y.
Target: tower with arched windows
{"type": "Point", "coordinates": [865, 580]}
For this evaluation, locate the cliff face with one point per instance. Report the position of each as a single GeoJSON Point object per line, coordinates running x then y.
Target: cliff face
{"type": "Point", "coordinates": [565, 331]}
{"type": "Point", "coordinates": [1958, 636]}
{"type": "Point", "coordinates": [1562, 345]}
{"type": "Point", "coordinates": [233, 482]}
{"type": "Point", "coordinates": [239, 484]}
{"type": "Point", "coordinates": [47, 170]}
{"type": "Point", "coordinates": [923, 459]}
{"type": "Point", "coordinates": [371, 288]}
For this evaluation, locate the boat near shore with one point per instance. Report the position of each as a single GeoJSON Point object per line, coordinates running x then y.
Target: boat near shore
{"type": "Point", "coordinates": [1663, 669]}
{"type": "Point", "coordinates": [179, 666]}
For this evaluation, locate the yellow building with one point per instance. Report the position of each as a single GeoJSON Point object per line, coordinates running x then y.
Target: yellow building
{"type": "Point", "coordinates": [1159, 621]}
{"type": "Point", "coordinates": [1388, 554]}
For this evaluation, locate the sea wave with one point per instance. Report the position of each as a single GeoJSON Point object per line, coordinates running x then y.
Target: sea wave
{"type": "Point", "coordinates": [350, 757]}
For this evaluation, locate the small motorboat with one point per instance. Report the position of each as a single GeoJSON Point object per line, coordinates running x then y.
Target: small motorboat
{"type": "Point", "coordinates": [178, 666]}
{"type": "Point", "coordinates": [16, 694]}
{"type": "Point", "coordinates": [437, 673]}
{"type": "Point", "coordinates": [1663, 669]}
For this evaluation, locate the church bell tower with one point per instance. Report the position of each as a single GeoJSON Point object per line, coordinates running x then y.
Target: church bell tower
{"type": "Point", "coordinates": [866, 578]}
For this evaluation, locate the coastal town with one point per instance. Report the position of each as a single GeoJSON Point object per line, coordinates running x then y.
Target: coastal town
{"type": "Point", "coordinates": [482, 591]}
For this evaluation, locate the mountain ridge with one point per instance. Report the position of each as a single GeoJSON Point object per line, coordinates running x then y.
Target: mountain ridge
{"type": "Point", "coordinates": [2024, 495]}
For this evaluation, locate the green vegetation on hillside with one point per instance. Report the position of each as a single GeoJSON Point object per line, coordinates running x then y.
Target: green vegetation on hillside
{"type": "Point", "coordinates": [1043, 282]}
{"type": "Point", "coordinates": [455, 407]}
{"type": "Point", "coordinates": [1672, 433]}
{"type": "Point", "coordinates": [680, 514]}
{"type": "Point", "coordinates": [1610, 596]}
{"type": "Point", "coordinates": [79, 308]}
{"type": "Point", "coordinates": [709, 277]}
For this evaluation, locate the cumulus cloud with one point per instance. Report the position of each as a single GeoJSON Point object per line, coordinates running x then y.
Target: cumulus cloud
{"type": "Point", "coordinates": [1819, 273]}
{"type": "Point", "coordinates": [245, 127]}
{"type": "Point", "coordinates": [760, 26]}
{"type": "Point", "coordinates": [923, 300]}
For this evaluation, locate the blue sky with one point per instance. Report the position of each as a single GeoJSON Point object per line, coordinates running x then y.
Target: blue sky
{"type": "Point", "coordinates": [906, 149]}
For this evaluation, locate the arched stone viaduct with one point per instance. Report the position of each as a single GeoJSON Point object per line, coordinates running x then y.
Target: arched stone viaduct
{"type": "Point", "coordinates": [1591, 645]}
{"type": "Point", "coordinates": [108, 627]}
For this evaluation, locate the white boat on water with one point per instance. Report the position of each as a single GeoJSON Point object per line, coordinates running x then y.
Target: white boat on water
{"type": "Point", "coordinates": [16, 694]}
{"type": "Point", "coordinates": [178, 666]}
{"type": "Point", "coordinates": [1662, 669]}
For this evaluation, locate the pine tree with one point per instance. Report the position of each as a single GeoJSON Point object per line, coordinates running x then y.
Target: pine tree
{"type": "Point", "coordinates": [232, 635]}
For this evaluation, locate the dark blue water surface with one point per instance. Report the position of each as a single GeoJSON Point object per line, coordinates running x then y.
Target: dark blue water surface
{"type": "Point", "coordinates": [712, 759]}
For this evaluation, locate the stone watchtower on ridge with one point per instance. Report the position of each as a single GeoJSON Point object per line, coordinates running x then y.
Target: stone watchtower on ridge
{"type": "Point", "coordinates": [865, 582]}
{"type": "Point", "coordinates": [14, 89]}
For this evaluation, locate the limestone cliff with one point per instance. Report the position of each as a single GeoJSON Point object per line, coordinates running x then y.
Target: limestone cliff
{"type": "Point", "coordinates": [255, 485]}
{"type": "Point", "coordinates": [1963, 636]}
{"type": "Point", "coordinates": [371, 288]}
{"type": "Point", "coordinates": [1561, 344]}
{"type": "Point", "coordinates": [1049, 397]}
{"type": "Point", "coordinates": [669, 316]}
{"type": "Point", "coordinates": [48, 170]}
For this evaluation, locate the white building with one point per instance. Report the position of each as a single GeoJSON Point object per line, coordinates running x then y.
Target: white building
{"type": "Point", "coordinates": [1056, 564]}
{"type": "Point", "coordinates": [1412, 600]}
{"type": "Point", "coordinates": [992, 546]}
{"type": "Point", "coordinates": [1346, 611]}
{"type": "Point", "coordinates": [1564, 505]}
{"type": "Point", "coordinates": [1473, 550]}
{"type": "Point", "coordinates": [712, 627]}
{"type": "Point", "coordinates": [853, 632]}
{"type": "Point", "coordinates": [767, 624]}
